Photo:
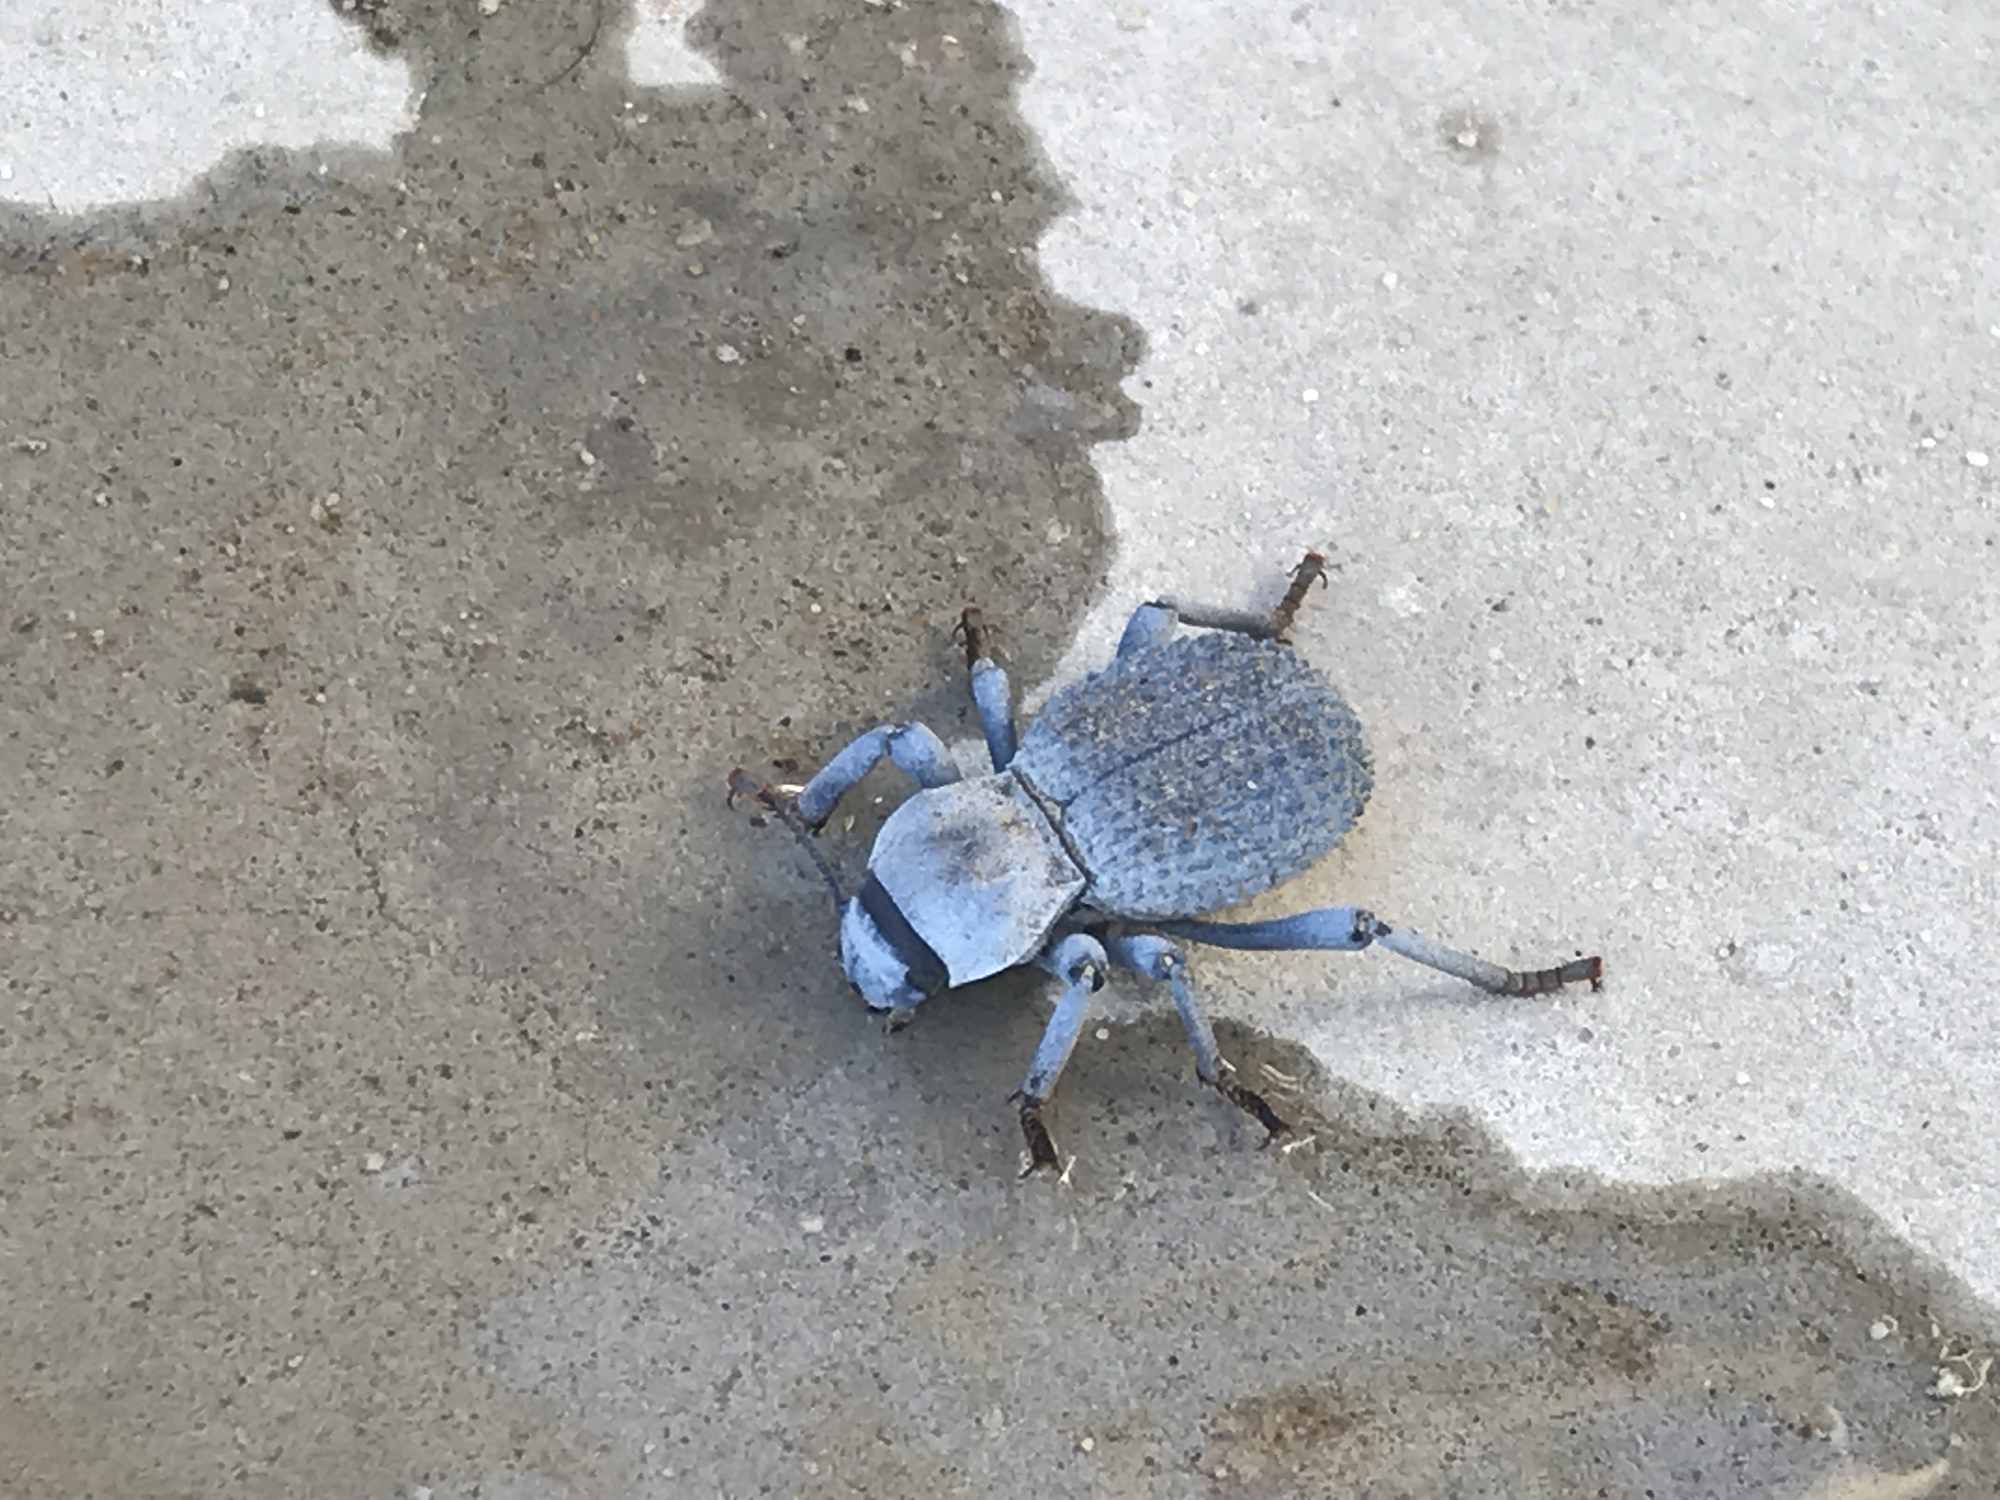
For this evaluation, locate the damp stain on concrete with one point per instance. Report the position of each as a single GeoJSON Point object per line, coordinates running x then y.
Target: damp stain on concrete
{"type": "Point", "coordinates": [417, 1081]}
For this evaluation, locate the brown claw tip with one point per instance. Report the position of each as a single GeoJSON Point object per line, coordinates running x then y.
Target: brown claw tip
{"type": "Point", "coordinates": [971, 628]}
{"type": "Point", "coordinates": [743, 784]}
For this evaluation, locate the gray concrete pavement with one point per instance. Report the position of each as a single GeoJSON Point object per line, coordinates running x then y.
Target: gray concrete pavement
{"type": "Point", "coordinates": [416, 1083]}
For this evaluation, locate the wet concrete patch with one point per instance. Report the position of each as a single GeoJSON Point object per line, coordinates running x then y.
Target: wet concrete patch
{"type": "Point", "coordinates": [414, 1076]}
{"type": "Point", "coordinates": [1392, 1310]}
{"type": "Point", "coordinates": [424, 541]}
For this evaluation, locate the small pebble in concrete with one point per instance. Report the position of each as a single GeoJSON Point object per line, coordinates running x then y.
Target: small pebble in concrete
{"type": "Point", "coordinates": [374, 1161]}
{"type": "Point", "coordinates": [1977, 459]}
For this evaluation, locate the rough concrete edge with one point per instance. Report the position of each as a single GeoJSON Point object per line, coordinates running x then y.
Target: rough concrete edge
{"type": "Point", "coordinates": [1853, 1228]}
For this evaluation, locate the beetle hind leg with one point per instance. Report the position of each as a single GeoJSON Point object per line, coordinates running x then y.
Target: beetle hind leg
{"type": "Point", "coordinates": [1157, 958]}
{"type": "Point", "coordinates": [1351, 928]}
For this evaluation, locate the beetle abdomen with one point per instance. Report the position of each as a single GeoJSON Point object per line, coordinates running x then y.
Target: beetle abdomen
{"type": "Point", "coordinates": [1194, 774]}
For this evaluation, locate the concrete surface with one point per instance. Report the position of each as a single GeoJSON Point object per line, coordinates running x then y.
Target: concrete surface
{"type": "Point", "coordinates": [416, 1083]}
{"type": "Point", "coordinates": [1640, 368]}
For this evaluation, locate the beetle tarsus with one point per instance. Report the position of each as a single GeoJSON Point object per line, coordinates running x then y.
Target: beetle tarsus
{"type": "Point", "coordinates": [1042, 1155]}
{"type": "Point", "coordinates": [1311, 569]}
{"type": "Point", "coordinates": [1548, 981]}
{"type": "Point", "coordinates": [1253, 1103]}
{"type": "Point", "coordinates": [972, 630]}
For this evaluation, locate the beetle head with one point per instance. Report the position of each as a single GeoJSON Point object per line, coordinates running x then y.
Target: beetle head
{"type": "Point", "coordinates": [888, 960]}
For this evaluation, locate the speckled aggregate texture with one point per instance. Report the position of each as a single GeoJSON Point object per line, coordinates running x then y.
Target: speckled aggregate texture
{"type": "Point", "coordinates": [1194, 773]}
{"type": "Point", "coordinates": [415, 1083]}
{"type": "Point", "coordinates": [1635, 368]}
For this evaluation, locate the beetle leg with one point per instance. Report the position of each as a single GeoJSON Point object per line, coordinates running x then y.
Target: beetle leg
{"type": "Point", "coordinates": [992, 697]}
{"type": "Point", "coordinates": [1270, 627]}
{"type": "Point", "coordinates": [1313, 567]}
{"type": "Point", "coordinates": [1348, 928]}
{"type": "Point", "coordinates": [1079, 961]}
{"type": "Point", "coordinates": [782, 803]}
{"type": "Point", "coordinates": [1157, 958]}
{"type": "Point", "coordinates": [916, 751]}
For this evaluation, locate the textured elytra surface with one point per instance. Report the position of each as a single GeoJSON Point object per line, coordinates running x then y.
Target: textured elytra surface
{"type": "Point", "coordinates": [1197, 773]}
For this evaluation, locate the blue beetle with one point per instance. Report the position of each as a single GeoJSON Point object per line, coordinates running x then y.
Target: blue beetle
{"type": "Point", "coordinates": [1192, 773]}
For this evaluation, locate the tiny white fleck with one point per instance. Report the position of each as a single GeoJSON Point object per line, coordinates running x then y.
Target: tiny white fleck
{"type": "Point", "coordinates": [814, 608]}
{"type": "Point", "coordinates": [1977, 459]}
{"type": "Point", "coordinates": [1088, 1444]}
{"type": "Point", "coordinates": [1467, 138]}
{"type": "Point", "coordinates": [1104, 1033]}
{"type": "Point", "coordinates": [1743, 1080]}
{"type": "Point", "coordinates": [492, 8]}
{"type": "Point", "coordinates": [729, 354]}
{"type": "Point", "coordinates": [1878, 1330]}
{"type": "Point", "coordinates": [811, 1223]}
{"type": "Point", "coordinates": [1390, 279]}
{"type": "Point", "coordinates": [1926, 442]}
{"type": "Point", "coordinates": [586, 457]}
{"type": "Point", "coordinates": [6, 171]}
{"type": "Point", "coordinates": [295, 1361]}
{"type": "Point", "coordinates": [642, 377]}
{"type": "Point", "coordinates": [374, 1161]}
{"type": "Point", "coordinates": [1309, 395]}
{"type": "Point", "coordinates": [858, 105]}
{"type": "Point", "coordinates": [222, 283]}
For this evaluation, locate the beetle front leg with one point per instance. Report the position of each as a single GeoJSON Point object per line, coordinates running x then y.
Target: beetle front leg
{"type": "Point", "coordinates": [992, 696]}
{"type": "Point", "coordinates": [1079, 961]}
{"type": "Point", "coordinates": [1157, 958]}
{"type": "Point", "coordinates": [914, 750]}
